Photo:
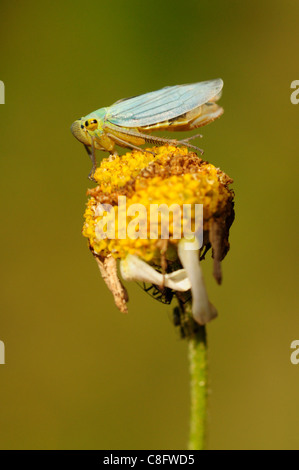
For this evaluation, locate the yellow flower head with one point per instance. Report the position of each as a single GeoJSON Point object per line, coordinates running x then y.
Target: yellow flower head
{"type": "Point", "coordinates": [140, 194]}
{"type": "Point", "coordinates": [172, 177]}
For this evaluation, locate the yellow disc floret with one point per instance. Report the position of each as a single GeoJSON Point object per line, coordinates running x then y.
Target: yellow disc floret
{"type": "Point", "coordinates": [142, 183]}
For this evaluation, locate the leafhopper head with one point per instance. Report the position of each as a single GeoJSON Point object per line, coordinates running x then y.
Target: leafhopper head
{"type": "Point", "coordinates": [78, 130]}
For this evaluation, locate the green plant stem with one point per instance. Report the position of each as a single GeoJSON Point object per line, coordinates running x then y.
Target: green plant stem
{"type": "Point", "coordinates": [198, 383]}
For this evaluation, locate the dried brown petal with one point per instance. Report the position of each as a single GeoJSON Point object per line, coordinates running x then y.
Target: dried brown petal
{"type": "Point", "coordinates": [108, 269]}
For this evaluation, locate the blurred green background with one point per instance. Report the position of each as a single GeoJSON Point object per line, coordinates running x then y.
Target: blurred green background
{"type": "Point", "coordinates": [79, 374]}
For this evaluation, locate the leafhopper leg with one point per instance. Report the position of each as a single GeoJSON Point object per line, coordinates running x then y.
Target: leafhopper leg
{"type": "Point", "coordinates": [160, 140]}
{"type": "Point", "coordinates": [91, 153]}
{"type": "Point", "coordinates": [192, 137]}
{"type": "Point", "coordinates": [124, 143]}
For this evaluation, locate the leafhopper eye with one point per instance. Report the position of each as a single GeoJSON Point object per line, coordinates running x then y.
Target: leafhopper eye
{"type": "Point", "coordinates": [91, 124]}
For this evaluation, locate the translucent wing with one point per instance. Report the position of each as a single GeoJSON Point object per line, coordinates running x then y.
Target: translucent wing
{"type": "Point", "coordinates": [162, 105]}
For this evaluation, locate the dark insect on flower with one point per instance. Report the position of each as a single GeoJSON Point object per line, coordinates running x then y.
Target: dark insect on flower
{"type": "Point", "coordinates": [162, 294]}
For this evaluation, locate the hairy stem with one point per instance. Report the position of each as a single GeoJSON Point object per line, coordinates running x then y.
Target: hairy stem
{"type": "Point", "coordinates": [198, 383]}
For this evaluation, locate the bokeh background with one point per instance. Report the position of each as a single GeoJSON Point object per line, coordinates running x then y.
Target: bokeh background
{"type": "Point", "coordinates": [78, 373]}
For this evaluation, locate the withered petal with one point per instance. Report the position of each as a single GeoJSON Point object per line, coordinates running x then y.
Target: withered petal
{"type": "Point", "coordinates": [108, 269]}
